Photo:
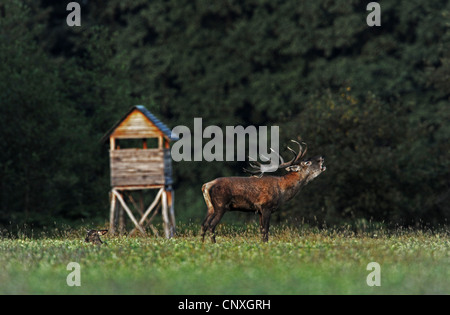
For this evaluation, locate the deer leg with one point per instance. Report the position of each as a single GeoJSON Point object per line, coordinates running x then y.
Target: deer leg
{"type": "Point", "coordinates": [206, 223]}
{"type": "Point", "coordinates": [211, 213]}
{"type": "Point", "coordinates": [212, 225]}
{"type": "Point", "coordinates": [261, 221]}
{"type": "Point", "coordinates": [261, 225]}
{"type": "Point", "coordinates": [265, 223]}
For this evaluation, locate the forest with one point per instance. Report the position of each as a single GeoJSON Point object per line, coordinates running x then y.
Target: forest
{"type": "Point", "coordinates": [374, 100]}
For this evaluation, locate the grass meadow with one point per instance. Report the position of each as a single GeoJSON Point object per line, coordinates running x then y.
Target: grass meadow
{"type": "Point", "coordinates": [294, 261]}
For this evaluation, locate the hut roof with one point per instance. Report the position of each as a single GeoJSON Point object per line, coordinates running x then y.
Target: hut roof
{"type": "Point", "coordinates": [152, 118]}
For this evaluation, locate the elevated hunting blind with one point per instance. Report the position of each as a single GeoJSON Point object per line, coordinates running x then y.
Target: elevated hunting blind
{"type": "Point", "coordinates": [139, 150]}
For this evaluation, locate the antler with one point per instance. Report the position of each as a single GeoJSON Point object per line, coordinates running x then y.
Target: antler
{"type": "Point", "coordinates": [259, 169]}
{"type": "Point", "coordinates": [301, 152]}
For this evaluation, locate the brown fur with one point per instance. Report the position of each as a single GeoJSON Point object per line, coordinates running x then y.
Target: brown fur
{"type": "Point", "coordinates": [93, 236]}
{"type": "Point", "coordinates": [260, 195]}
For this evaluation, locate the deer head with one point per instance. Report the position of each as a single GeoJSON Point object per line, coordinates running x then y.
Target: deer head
{"type": "Point", "coordinates": [313, 167]}
{"type": "Point", "coordinates": [93, 236]}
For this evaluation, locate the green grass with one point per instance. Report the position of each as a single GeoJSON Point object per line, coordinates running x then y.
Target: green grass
{"type": "Point", "coordinates": [295, 261]}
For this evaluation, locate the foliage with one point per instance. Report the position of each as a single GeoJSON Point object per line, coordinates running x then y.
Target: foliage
{"type": "Point", "coordinates": [295, 261]}
{"type": "Point", "coordinates": [374, 100]}
{"type": "Point", "coordinates": [380, 168]}
{"type": "Point", "coordinates": [38, 158]}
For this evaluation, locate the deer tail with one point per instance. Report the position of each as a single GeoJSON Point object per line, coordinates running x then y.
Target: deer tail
{"type": "Point", "coordinates": [205, 189]}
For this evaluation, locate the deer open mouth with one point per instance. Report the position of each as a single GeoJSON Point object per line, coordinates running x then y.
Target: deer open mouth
{"type": "Point", "coordinates": [322, 167]}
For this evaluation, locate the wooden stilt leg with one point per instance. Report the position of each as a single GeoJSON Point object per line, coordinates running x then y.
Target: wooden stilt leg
{"type": "Point", "coordinates": [112, 227]}
{"type": "Point", "coordinates": [141, 202]}
{"type": "Point", "coordinates": [154, 203]}
{"type": "Point", "coordinates": [121, 219]}
{"type": "Point", "coordinates": [165, 214]}
{"type": "Point", "coordinates": [130, 214]}
{"type": "Point", "coordinates": [171, 201]}
{"type": "Point", "coordinates": [164, 199]}
{"type": "Point", "coordinates": [150, 208]}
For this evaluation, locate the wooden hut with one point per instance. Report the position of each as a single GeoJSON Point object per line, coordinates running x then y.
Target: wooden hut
{"type": "Point", "coordinates": [139, 149]}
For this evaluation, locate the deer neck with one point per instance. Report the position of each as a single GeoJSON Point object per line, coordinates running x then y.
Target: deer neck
{"type": "Point", "coordinates": [291, 184]}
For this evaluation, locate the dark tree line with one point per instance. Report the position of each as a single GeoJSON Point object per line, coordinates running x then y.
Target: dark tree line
{"type": "Point", "coordinates": [374, 100]}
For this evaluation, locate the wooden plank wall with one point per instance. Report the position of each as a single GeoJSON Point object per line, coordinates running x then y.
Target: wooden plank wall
{"type": "Point", "coordinates": [136, 125]}
{"type": "Point", "coordinates": [137, 167]}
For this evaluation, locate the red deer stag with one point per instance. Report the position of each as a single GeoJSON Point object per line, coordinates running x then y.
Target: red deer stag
{"type": "Point", "coordinates": [260, 194]}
